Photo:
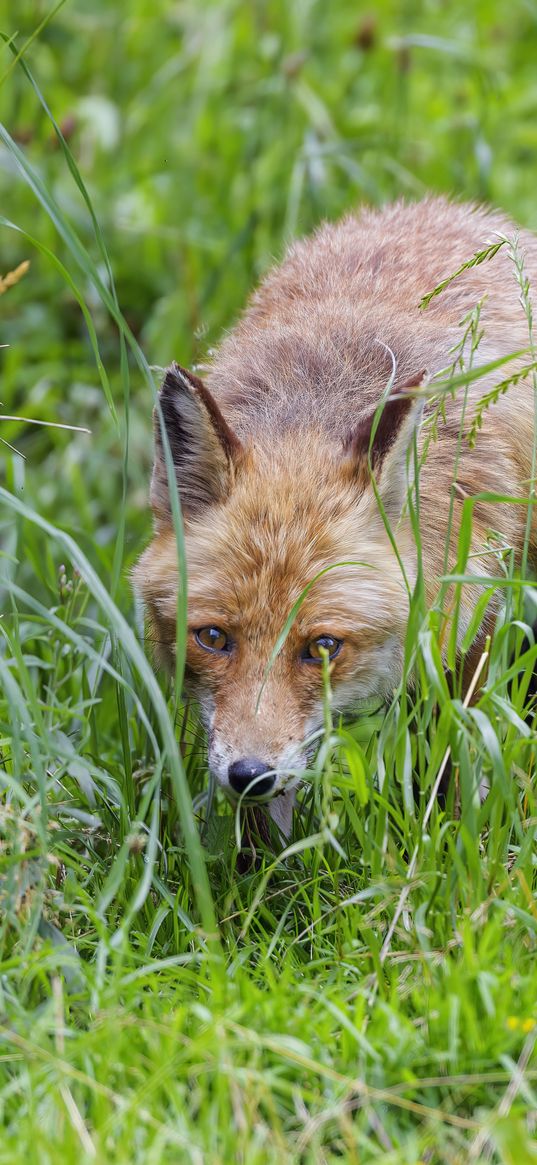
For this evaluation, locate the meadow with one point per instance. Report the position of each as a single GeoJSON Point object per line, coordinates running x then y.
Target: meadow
{"type": "Point", "coordinates": [370, 993]}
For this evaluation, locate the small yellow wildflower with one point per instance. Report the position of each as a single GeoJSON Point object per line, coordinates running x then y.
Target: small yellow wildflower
{"type": "Point", "coordinates": [514, 1023]}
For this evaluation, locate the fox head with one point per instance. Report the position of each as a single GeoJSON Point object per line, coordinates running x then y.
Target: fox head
{"type": "Point", "coordinates": [266, 523]}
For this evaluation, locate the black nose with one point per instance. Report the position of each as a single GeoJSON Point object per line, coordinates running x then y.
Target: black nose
{"type": "Point", "coordinates": [249, 771]}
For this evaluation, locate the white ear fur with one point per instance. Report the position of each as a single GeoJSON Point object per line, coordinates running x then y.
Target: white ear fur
{"type": "Point", "coordinates": [396, 470]}
{"type": "Point", "coordinates": [384, 443]}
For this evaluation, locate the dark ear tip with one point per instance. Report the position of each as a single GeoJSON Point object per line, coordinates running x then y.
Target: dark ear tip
{"type": "Point", "coordinates": [173, 381]}
{"type": "Point", "coordinates": [178, 379]}
{"type": "Point", "coordinates": [399, 406]}
{"type": "Point", "coordinates": [416, 381]}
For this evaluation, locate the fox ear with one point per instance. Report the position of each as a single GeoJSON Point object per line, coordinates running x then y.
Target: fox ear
{"type": "Point", "coordinates": [202, 445]}
{"type": "Point", "coordinates": [389, 445]}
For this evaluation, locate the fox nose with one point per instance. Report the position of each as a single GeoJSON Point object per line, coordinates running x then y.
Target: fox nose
{"type": "Point", "coordinates": [249, 771]}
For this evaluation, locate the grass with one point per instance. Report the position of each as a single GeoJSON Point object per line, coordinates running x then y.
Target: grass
{"type": "Point", "coordinates": [370, 994]}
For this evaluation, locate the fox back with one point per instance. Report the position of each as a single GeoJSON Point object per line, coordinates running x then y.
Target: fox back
{"type": "Point", "coordinates": [292, 476]}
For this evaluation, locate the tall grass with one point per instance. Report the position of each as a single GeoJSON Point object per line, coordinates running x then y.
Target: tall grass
{"type": "Point", "coordinates": [369, 994]}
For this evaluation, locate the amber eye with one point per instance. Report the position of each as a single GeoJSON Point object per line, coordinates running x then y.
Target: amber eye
{"type": "Point", "coordinates": [313, 651]}
{"type": "Point", "coordinates": [212, 639]}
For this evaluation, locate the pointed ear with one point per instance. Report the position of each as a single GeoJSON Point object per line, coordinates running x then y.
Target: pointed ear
{"type": "Point", "coordinates": [388, 445]}
{"type": "Point", "coordinates": [203, 447]}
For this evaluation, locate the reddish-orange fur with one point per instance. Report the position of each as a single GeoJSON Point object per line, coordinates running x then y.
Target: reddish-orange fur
{"type": "Point", "coordinates": [271, 462]}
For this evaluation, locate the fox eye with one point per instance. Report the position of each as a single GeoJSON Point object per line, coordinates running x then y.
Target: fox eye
{"type": "Point", "coordinates": [313, 651]}
{"type": "Point", "coordinates": [212, 639]}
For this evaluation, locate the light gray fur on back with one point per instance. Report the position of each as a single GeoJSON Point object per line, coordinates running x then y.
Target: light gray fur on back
{"type": "Point", "coordinates": [317, 341]}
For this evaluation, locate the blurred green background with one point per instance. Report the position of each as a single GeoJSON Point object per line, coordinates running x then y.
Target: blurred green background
{"type": "Point", "coordinates": [208, 134]}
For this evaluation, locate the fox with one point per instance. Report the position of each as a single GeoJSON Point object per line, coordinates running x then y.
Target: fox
{"type": "Point", "coordinates": [293, 461]}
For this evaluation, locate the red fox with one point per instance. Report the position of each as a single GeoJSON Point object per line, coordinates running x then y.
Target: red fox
{"type": "Point", "coordinates": [284, 469]}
